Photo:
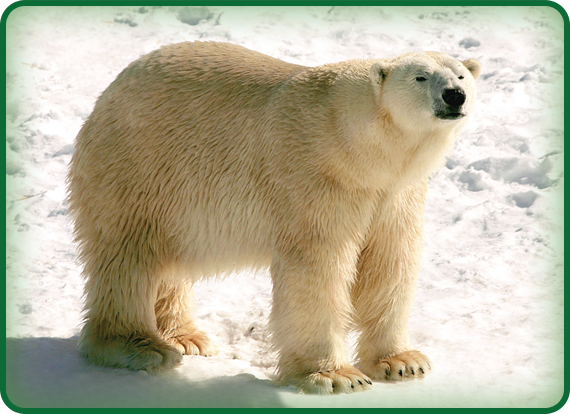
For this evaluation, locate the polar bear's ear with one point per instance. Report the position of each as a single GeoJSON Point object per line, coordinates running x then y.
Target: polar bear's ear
{"type": "Point", "coordinates": [378, 72]}
{"type": "Point", "coordinates": [474, 67]}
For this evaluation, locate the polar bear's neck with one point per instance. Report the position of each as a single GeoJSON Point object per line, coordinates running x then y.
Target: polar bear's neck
{"type": "Point", "coordinates": [373, 152]}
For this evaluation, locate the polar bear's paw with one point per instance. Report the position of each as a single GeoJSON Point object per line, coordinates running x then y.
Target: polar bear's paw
{"type": "Point", "coordinates": [344, 380]}
{"type": "Point", "coordinates": [136, 352]}
{"type": "Point", "coordinates": [404, 366]}
{"type": "Point", "coordinates": [151, 355]}
{"type": "Point", "coordinates": [196, 343]}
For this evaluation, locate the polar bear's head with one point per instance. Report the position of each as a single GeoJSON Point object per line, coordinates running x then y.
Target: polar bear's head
{"type": "Point", "coordinates": [425, 90]}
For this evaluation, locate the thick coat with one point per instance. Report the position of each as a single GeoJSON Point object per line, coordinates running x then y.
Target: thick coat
{"type": "Point", "coordinates": [206, 158]}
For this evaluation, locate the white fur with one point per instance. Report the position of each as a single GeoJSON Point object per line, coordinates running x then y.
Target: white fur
{"type": "Point", "coordinates": [204, 158]}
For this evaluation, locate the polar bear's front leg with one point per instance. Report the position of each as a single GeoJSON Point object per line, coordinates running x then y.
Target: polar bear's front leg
{"type": "Point", "coordinates": [385, 287]}
{"type": "Point", "coordinates": [309, 320]}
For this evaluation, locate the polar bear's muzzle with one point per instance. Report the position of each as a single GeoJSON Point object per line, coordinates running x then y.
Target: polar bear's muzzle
{"type": "Point", "coordinates": [454, 96]}
{"type": "Point", "coordinates": [451, 105]}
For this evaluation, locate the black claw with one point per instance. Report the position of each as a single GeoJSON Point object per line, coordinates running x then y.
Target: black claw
{"type": "Point", "coordinates": [360, 382]}
{"type": "Point", "coordinates": [333, 385]}
{"type": "Point", "coordinates": [401, 373]}
{"type": "Point", "coordinates": [412, 370]}
{"type": "Point", "coordinates": [387, 371]}
{"type": "Point", "coordinates": [368, 381]}
{"type": "Point", "coordinates": [422, 370]}
{"type": "Point", "coordinates": [351, 386]}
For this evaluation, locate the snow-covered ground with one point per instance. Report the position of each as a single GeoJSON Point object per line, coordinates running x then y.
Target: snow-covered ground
{"type": "Point", "coordinates": [489, 308]}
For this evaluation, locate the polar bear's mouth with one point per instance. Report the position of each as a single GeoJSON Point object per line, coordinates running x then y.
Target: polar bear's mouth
{"type": "Point", "coordinates": [450, 115]}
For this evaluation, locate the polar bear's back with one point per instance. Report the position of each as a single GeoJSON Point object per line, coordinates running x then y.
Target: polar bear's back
{"type": "Point", "coordinates": [189, 79]}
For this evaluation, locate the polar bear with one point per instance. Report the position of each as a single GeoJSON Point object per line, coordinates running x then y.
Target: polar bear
{"type": "Point", "coordinates": [203, 158]}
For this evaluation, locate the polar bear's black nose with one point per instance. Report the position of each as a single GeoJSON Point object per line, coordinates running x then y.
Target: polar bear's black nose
{"type": "Point", "coordinates": [454, 96]}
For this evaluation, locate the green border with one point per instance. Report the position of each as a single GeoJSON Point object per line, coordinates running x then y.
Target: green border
{"type": "Point", "coordinates": [5, 11]}
{"type": "Point", "coordinates": [5, 400]}
{"type": "Point", "coordinates": [566, 393]}
{"type": "Point", "coordinates": [3, 362]}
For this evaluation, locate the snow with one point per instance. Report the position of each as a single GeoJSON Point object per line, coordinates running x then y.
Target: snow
{"type": "Point", "coordinates": [489, 307]}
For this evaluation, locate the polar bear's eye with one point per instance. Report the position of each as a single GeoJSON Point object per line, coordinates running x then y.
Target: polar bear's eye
{"type": "Point", "coordinates": [461, 77]}
{"type": "Point", "coordinates": [421, 78]}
